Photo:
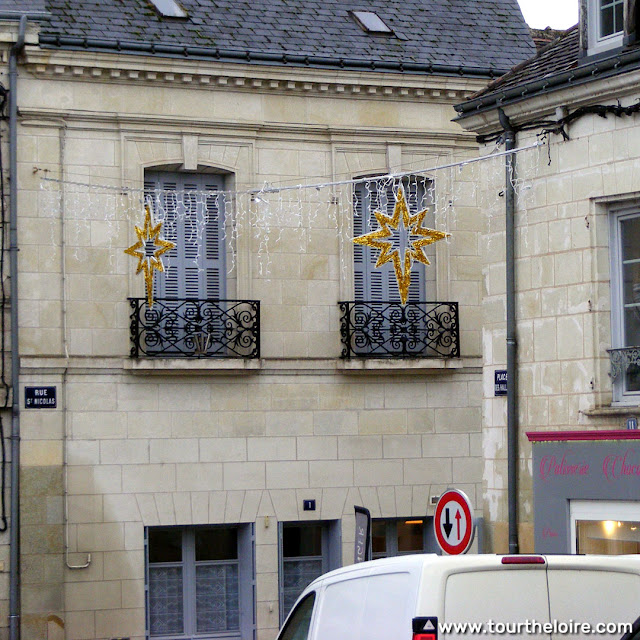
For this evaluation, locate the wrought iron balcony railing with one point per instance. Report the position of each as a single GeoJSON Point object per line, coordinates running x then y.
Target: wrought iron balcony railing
{"type": "Point", "coordinates": [391, 330]}
{"type": "Point", "coordinates": [191, 328]}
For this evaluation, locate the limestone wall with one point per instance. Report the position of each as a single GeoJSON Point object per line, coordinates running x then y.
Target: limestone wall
{"type": "Point", "coordinates": [140, 443]}
{"type": "Point", "coordinates": [563, 294]}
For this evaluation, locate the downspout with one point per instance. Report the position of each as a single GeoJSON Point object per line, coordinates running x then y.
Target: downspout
{"type": "Point", "coordinates": [512, 344]}
{"type": "Point", "coordinates": [14, 539]}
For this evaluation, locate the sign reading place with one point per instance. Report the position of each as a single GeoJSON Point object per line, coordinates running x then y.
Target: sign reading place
{"type": "Point", "coordinates": [40, 397]}
{"type": "Point", "coordinates": [500, 382]}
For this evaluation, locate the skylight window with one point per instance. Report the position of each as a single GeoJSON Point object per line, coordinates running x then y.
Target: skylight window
{"type": "Point", "coordinates": [371, 22]}
{"type": "Point", "coordinates": [169, 8]}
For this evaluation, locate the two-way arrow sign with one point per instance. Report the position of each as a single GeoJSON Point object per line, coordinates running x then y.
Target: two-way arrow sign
{"type": "Point", "coordinates": [447, 526]}
{"type": "Point", "coordinates": [453, 522]}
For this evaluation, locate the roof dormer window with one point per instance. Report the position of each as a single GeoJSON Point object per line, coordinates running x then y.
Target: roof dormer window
{"type": "Point", "coordinates": [371, 22]}
{"type": "Point", "coordinates": [169, 8]}
{"type": "Point", "coordinates": [605, 24]}
{"type": "Point", "coordinates": [611, 19]}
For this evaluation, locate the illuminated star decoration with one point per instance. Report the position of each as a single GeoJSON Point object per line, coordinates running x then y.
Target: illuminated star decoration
{"type": "Point", "coordinates": [148, 250]}
{"type": "Point", "coordinates": [415, 249]}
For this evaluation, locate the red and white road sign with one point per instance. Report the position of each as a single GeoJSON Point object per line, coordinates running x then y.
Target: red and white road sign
{"type": "Point", "coordinates": [453, 522]}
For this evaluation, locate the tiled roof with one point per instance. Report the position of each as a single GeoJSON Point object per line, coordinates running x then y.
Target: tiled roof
{"type": "Point", "coordinates": [560, 55]}
{"type": "Point", "coordinates": [554, 68]}
{"type": "Point", "coordinates": [543, 37]}
{"type": "Point", "coordinates": [484, 34]}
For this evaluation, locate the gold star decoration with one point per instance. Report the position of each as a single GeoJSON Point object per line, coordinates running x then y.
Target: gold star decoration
{"type": "Point", "coordinates": [148, 235]}
{"type": "Point", "coordinates": [415, 249]}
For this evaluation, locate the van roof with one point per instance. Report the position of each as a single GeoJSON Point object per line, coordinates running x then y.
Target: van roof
{"type": "Point", "coordinates": [478, 562]}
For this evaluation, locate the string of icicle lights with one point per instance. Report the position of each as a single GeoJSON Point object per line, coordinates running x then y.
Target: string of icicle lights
{"type": "Point", "coordinates": [274, 220]}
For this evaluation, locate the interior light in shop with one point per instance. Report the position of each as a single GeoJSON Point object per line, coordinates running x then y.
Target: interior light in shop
{"type": "Point", "coordinates": [609, 526]}
{"type": "Point", "coordinates": [413, 521]}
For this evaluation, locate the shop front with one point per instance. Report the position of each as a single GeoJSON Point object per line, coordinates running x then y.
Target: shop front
{"type": "Point", "coordinates": [586, 490]}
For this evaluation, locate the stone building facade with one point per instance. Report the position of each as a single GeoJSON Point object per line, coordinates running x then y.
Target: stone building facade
{"type": "Point", "coordinates": [166, 494]}
{"type": "Point", "coordinates": [576, 207]}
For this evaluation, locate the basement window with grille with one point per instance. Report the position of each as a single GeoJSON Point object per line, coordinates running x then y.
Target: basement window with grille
{"type": "Point", "coordinates": [371, 22]}
{"type": "Point", "coordinates": [169, 8]}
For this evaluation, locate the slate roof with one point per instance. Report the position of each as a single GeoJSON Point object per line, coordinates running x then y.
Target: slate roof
{"type": "Point", "coordinates": [30, 7]}
{"type": "Point", "coordinates": [486, 35]}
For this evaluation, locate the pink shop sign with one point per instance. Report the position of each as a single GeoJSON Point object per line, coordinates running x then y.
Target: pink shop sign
{"type": "Point", "coordinates": [615, 467]}
{"type": "Point", "coordinates": [552, 466]}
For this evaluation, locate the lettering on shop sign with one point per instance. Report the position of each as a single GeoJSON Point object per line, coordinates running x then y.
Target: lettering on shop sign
{"type": "Point", "coordinates": [550, 466]}
{"type": "Point", "coordinates": [40, 397]}
{"type": "Point", "coordinates": [614, 467]}
{"type": "Point", "coordinates": [548, 532]}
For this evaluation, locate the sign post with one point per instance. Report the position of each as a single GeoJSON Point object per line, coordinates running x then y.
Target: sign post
{"type": "Point", "coordinates": [453, 522]}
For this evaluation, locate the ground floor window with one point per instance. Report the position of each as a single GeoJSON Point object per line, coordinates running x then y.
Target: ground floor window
{"type": "Point", "coordinates": [200, 582]}
{"type": "Point", "coordinates": [307, 550]}
{"type": "Point", "coordinates": [398, 536]}
{"type": "Point", "coordinates": [605, 527]}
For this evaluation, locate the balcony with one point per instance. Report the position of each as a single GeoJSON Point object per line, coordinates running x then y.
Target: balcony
{"type": "Point", "coordinates": [190, 328]}
{"type": "Point", "coordinates": [391, 330]}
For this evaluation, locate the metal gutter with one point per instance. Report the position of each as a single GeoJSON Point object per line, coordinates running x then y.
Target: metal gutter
{"type": "Point", "coordinates": [580, 75]}
{"type": "Point", "coordinates": [512, 343]}
{"type": "Point", "coordinates": [229, 55]}
{"type": "Point", "coordinates": [14, 539]}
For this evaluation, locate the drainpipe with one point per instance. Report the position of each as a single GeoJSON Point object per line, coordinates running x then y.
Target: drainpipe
{"type": "Point", "coordinates": [14, 540]}
{"type": "Point", "coordinates": [512, 344]}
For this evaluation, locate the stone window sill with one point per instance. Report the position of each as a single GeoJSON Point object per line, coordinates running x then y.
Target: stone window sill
{"type": "Point", "coordinates": [611, 411]}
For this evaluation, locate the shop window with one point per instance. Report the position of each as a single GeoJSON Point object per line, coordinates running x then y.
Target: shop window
{"type": "Point", "coordinates": [397, 537]}
{"type": "Point", "coordinates": [200, 582]}
{"type": "Point", "coordinates": [307, 550]}
{"type": "Point", "coordinates": [605, 528]}
{"type": "Point", "coordinates": [625, 306]}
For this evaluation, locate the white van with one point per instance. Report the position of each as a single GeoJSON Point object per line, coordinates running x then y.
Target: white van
{"type": "Point", "coordinates": [416, 597]}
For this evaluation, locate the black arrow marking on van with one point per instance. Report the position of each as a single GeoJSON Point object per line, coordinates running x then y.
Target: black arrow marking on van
{"type": "Point", "coordinates": [447, 523]}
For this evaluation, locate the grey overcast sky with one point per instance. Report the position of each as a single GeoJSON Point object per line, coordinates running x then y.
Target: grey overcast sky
{"type": "Point", "coordinates": [557, 14]}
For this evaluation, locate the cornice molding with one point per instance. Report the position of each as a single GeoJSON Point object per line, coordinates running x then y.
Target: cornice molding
{"type": "Point", "coordinates": [185, 367]}
{"type": "Point", "coordinates": [197, 74]}
{"type": "Point", "coordinates": [150, 126]}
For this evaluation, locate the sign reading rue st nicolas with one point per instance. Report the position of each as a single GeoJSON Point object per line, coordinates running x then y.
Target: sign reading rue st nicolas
{"type": "Point", "coordinates": [40, 397]}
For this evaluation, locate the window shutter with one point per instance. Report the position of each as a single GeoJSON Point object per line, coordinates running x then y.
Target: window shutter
{"type": "Point", "coordinates": [214, 254]}
{"type": "Point", "coordinates": [359, 228]}
{"type": "Point", "coordinates": [195, 268]}
{"type": "Point", "coordinates": [380, 285]}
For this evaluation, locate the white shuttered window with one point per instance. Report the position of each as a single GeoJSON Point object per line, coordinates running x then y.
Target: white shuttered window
{"type": "Point", "coordinates": [192, 209]}
{"type": "Point", "coordinates": [373, 284]}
